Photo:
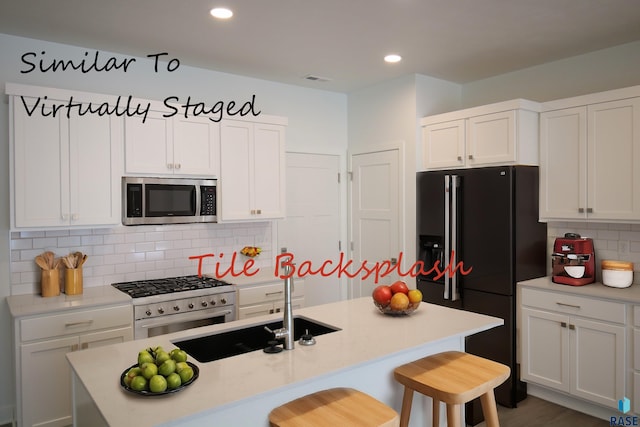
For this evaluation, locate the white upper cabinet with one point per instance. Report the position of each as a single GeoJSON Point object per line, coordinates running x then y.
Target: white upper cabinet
{"type": "Point", "coordinates": [252, 173]}
{"type": "Point", "coordinates": [505, 133]}
{"type": "Point", "coordinates": [65, 171]}
{"type": "Point", "coordinates": [590, 160]}
{"type": "Point", "coordinates": [172, 145]}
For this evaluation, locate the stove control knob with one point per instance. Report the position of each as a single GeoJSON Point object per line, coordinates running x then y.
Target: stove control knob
{"type": "Point", "coordinates": [148, 312]}
{"type": "Point", "coordinates": [212, 302]}
{"type": "Point", "coordinates": [223, 300]}
{"type": "Point", "coordinates": [176, 308]}
{"type": "Point", "coordinates": [161, 310]}
{"type": "Point", "coordinates": [204, 303]}
{"type": "Point", "coordinates": [191, 305]}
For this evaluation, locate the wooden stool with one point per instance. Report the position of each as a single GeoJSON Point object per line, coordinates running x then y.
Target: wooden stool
{"type": "Point", "coordinates": [453, 378]}
{"type": "Point", "coordinates": [334, 407]}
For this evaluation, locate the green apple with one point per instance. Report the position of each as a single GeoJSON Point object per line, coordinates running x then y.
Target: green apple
{"type": "Point", "coordinates": [161, 357]}
{"type": "Point", "coordinates": [168, 367]}
{"type": "Point", "coordinates": [178, 355]}
{"type": "Point", "coordinates": [157, 384]}
{"type": "Point", "coordinates": [180, 366]}
{"type": "Point", "coordinates": [139, 383]}
{"type": "Point", "coordinates": [173, 381]}
{"type": "Point", "coordinates": [131, 374]}
{"type": "Point", "coordinates": [186, 374]}
{"type": "Point", "coordinates": [144, 356]}
{"type": "Point", "coordinates": [149, 369]}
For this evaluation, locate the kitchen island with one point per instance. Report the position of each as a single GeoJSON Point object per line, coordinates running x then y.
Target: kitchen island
{"type": "Point", "coordinates": [241, 390]}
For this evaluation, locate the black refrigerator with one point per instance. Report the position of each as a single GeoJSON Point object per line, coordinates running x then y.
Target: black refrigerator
{"type": "Point", "coordinates": [485, 222]}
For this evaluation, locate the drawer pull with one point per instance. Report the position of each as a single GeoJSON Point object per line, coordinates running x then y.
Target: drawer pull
{"type": "Point", "coordinates": [272, 293]}
{"type": "Point", "coordinates": [85, 345]}
{"type": "Point", "coordinates": [567, 305]}
{"type": "Point", "coordinates": [572, 327]}
{"type": "Point", "coordinates": [74, 347]}
{"type": "Point", "coordinates": [81, 323]}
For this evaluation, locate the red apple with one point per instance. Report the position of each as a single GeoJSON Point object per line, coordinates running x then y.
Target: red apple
{"type": "Point", "coordinates": [399, 287]}
{"type": "Point", "coordinates": [382, 294]}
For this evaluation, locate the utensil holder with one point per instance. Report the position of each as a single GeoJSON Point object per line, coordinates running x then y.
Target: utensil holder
{"type": "Point", "coordinates": [73, 281]}
{"type": "Point", "coordinates": [50, 283]}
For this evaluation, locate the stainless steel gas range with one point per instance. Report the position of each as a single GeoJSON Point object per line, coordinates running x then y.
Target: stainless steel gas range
{"type": "Point", "coordinates": [162, 306]}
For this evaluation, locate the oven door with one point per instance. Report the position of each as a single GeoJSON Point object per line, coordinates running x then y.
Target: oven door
{"type": "Point", "coordinates": [146, 328]}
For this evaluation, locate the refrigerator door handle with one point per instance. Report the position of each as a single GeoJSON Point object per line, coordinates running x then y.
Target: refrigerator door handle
{"type": "Point", "coordinates": [447, 218]}
{"type": "Point", "coordinates": [455, 295]}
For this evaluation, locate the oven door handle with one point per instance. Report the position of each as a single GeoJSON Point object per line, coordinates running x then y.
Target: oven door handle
{"type": "Point", "coordinates": [183, 317]}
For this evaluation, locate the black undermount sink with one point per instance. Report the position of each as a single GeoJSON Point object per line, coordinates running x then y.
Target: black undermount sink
{"type": "Point", "coordinates": [217, 346]}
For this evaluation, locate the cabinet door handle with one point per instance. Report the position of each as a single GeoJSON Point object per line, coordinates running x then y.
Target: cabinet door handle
{"type": "Point", "coordinates": [253, 211]}
{"type": "Point", "coordinates": [580, 210]}
{"type": "Point", "coordinates": [459, 158]}
{"type": "Point", "coordinates": [65, 217]}
{"type": "Point", "coordinates": [259, 211]}
{"type": "Point", "coordinates": [470, 156]}
{"type": "Point", "coordinates": [178, 165]}
{"type": "Point", "coordinates": [85, 345]}
{"type": "Point", "coordinates": [81, 323]}
{"type": "Point", "coordinates": [268, 294]}
{"type": "Point", "coordinates": [563, 324]}
{"type": "Point", "coordinates": [589, 210]}
{"type": "Point", "coordinates": [74, 217]}
{"type": "Point", "coordinates": [169, 165]}
{"type": "Point", "coordinates": [567, 305]}
{"type": "Point", "coordinates": [74, 347]}
{"type": "Point", "coordinates": [572, 327]}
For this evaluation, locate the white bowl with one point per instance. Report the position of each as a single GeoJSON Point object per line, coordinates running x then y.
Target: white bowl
{"type": "Point", "coordinates": [575, 271]}
{"type": "Point", "coordinates": [617, 278]}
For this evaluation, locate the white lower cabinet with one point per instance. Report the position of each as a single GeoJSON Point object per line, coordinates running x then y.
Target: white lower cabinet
{"type": "Point", "coordinates": [636, 359]}
{"type": "Point", "coordinates": [574, 344]}
{"type": "Point", "coordinates": [43, 375]}
{"type": "Point", "coordinates": [267, 298]}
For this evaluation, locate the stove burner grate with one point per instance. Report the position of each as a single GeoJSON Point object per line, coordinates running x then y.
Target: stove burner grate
{"type": "Point", "coordinates": [145, 288]}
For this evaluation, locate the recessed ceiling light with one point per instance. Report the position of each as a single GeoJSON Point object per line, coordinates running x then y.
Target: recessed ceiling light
{"type": "Point", "coordinates": [392, 58]}
{"type": "Point", "coordinates": [221, 13]}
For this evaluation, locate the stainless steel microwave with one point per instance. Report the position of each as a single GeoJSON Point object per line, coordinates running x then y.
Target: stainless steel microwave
{"type": "Point", "coordinates": [147, 200]}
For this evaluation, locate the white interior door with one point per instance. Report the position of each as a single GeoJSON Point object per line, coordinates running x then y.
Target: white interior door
{"type": "Point", "coordinates": [311, 229]}
{"type": "Point", "coordinates": [375, 215]}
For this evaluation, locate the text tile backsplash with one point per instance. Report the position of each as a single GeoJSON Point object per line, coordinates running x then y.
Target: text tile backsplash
{"type": "Point", "coordinates": [141, 252]}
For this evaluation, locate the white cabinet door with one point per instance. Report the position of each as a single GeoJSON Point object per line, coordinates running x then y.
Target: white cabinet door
{"type": "Point", "coordinates": [443, 145]}
{"type": "Point", "coordinates": [149, 145]}
{"type": "Point", "coordinates": [252, 171]}
{"type": "Point", "coordinates": [196, 146]}
{"type": "Point", "coordinates": [95, 167]}
{"type": "Point", "coordinates": [236, 170]}
{"type": "Point", "coordinates": [269, 170]}
{"type": "Point", "coordinates": [41, 167]}
{"type": "Point", "coordinates": [492, 139]}
{"type": "Point", "coordinates": [46, 382]}
{"type": "Point", "coordinates": [545, 349]}
{"type": "Point", "coordinates": [614, 160]}
{"type": "Point", "coordinates": [598, 361]}
{"type": "Point", "coordinates": [563, 160]}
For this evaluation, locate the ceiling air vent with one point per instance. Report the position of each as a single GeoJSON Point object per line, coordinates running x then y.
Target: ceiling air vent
{"type": "Point", "coordinates": [313, 78]}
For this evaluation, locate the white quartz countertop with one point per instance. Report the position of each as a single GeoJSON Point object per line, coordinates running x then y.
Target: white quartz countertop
{"type": "Point", "coordinates": [26, 305]}
{"type": "Point", "coordinates": [366, 335]}
{"type": "Point", "coordinates": [596, 289]}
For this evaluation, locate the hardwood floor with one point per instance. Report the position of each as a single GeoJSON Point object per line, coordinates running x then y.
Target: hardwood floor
{"type": "Point", "coordinates": [534, 412]}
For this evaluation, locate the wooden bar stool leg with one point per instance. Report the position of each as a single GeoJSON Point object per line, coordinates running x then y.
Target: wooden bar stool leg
{"type": "Point", "coordinates": [453, 415]}
{"type": "Point", "coordinates": [405, 412]}
{"type": "Point", "coordinates": [435, 412]}
{"type": "Point", "coordinates": [489, 409]}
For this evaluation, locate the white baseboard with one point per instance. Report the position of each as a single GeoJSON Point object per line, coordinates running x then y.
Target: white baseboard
{"type": "Point", "coordinates": [571, 402]}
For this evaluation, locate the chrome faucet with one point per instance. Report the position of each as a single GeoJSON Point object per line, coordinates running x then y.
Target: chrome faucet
{"type": "Point", "coordinates": [286, 331]}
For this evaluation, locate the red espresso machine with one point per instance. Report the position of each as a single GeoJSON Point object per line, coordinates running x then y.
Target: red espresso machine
{"type": "Point", "coordinates": [573, 260]}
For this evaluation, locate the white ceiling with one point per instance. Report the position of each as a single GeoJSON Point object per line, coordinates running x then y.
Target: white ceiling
{"type": "Point", "coordinates": [341, 40]}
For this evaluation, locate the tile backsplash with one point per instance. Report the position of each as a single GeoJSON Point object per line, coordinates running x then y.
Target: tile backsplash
{"type": "Point", "coordinates": [610, 241]}
{"type": "Point", "coordinates": [141, 252]}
